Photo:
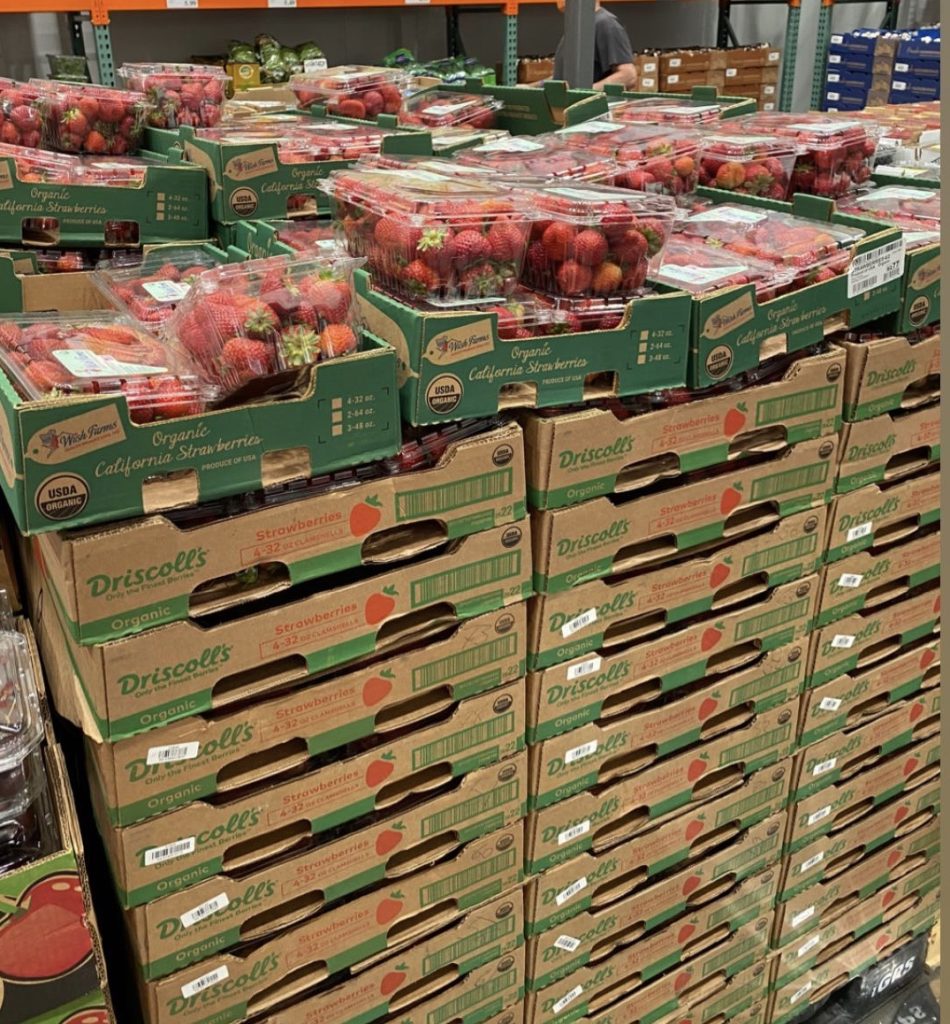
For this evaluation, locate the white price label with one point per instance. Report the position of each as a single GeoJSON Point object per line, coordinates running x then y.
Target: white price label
{"type": "Point", "coordinates": [593, 128]}
{"type": "Point", "coordinates": [513, 145]}
{"type": "Point", "coordinates": [281, 3]}
{"type": "Point", "coordinates": [159, 854]}
{"type": "Point", "coordinates": [829, 703]}
{"type": "Point", "coordinates": [806, 947]}
{"type": "Point", "coordinates": [803, 915]}
{"type": "Point", "coordinates": [582, 621]}
{"type": "Point", "coordinates": [675, 62]}
{"type": "Point", "coordinates": [901, 66]}
{"type": "Point", "coordinates": [570, 892]}
{"type": "Point", "coordinates": [824, 766]}
{"type": "Point", "coordinates": [898, 85]}
{"type": "Point", "coordinates": [699, 275]}
{"type": "Point", "coordinates": [82, 362]}
{"type": "Point", "coordinates": [672, 79]}
{"type": "Point", "coordinates": [833, 95]}
{"type": "Point", "coordinates": [444, 109]}
{"type": "Point", "coordinates": [578, 753]}
{"type": "Point", "coordinates": [732, 72]}
{"type": "Point", "coordinates": [172, 753]}
{"type": "Point", "coordinates": [567, 998]}
{"type": "Point", "coordinates": [803, 991]}
{"type": "Point", "coordinates": [872, 269]}
{"type": "Point", "coordinates": [826, 129]}
{"type": "Point", "coordinates": [316, 64]}
{"type": "Point", "coordinates": [834, 58]}
{"type": "Point", "coordinates": [774, 56]}
{"type": "Point", "coordinates": [166, 291]}
{"type": "Point", "coordinates": [567, 943]}
{"type": "Point", "coordinates": [727, 214]}
{"type": "Point", "coordinates": [574, 832]}
{"type": "Point", "coordinates": [812, 862]}
{"type": "Point", "coordinates": [842, 641]}
{"type": "Point", "coordinates": [819, 815]}
{"type": "Point", "coordinates": [899, 192]}
{"type": "Point", "coordinates": [583, 668]}
{"type": "Point", "coordinates": [203, 910]}
{"type": "Point", "coordinates": [859, 531]}
{"type": "Point", "coordinates": [851, 580]}
{"type": "Point", "coordinates": [181, 5]}
{"type": "Point", "coordinates": [192, 988]}
{"type": "Point", "coordinates": [833, 76]}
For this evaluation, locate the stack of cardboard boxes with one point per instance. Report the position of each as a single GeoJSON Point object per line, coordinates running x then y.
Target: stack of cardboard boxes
{"type": "Point", "coordinates": [748, 71]}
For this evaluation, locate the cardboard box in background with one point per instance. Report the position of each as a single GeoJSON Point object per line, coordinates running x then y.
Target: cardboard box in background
{"type": "Point", "coordinates": [743, 75]}
{"type": "Point", "coordinates": [892, 373]}
{"type": "Point", "coordinates": [755, 56]}
{"type": "Point", "coordinates": [534, 69]}
{"type": "Point", "coordinates": [686, 81]}
{"type": "Point", "coordinates": [888, 447]}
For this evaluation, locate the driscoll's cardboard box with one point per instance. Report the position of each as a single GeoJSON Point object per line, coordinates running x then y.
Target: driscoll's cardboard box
{"type": "Point", "coordinates": [579, 454]}
{"type": "Point", "coordinates": [825, 901]}
{"type": "Point", "coordinates": [629, 806]}
{"type": "Point", "coordinates": [196, 757]}
{"type": "Point", "coordinates": [875, 515]}
{"type": "Point", "coordinates": [632, 607]}
{"type": "Point", "coordinates": [686, 963]}
{"type": "Point", "coordinates": [613, 534]}
{"type": "Point", "coordinates": [726, 837]}
{"type": "Point", "coordinates": [362, 926]}
{"type": "Point", "coordinates": [741, 999]}
{"type": "Point", "coordinates": [858, 697]}
{"type": "Point", "coordinates": [136, 575]}
{"type": "Point", "coordinates": [183, 846]}
{"type": "Point", "coordinates": [826, 857]}
{"type": "Point", "coordinates": [841, 755]}
{"type": "Point", "coordinates": [890, 373]}
{"type": "Point", "coordinates": [836, 807]}
{"type": "Point", "coordinates": [183, 668]}
{"type": "Point", "coordinates": [869, 636]}
{"type": "Point", "coordinates": [232, 987]}
{"type": "Point", "coordinates": [888, 447]}
{"type": "Point", "coordinates": [868, 578]}
{"type": "Point", "coordinates": [594, 935]}
{"type": "Point", "coordinates": [597, 755]}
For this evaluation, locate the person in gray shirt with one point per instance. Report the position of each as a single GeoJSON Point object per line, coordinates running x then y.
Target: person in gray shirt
{"type": "Point", "coordinates": [613, 54]}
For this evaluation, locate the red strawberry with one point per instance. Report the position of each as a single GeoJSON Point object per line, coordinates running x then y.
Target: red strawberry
{"type": "Point", "coordinates": [46, 375]}
{"type": "Point", "coordinates": [470, 247]}
{"type": "Point", "coordinates": [352, 108]}
{"type": "Point", "coordinates": [631, 247]}
{"type": "Point", "coordinates": [337, 340]}
{"type": "Point", "coordinates": [419, 279]}
{"type": "Point", "coordinates": [9, 334]}
{"type": "Point", "coordinates": [96, 143]}
{"type": "Point", "coordinates": [573, 279]}
{"type": "Point", "coordinates": [606, 279]}
{"type": "Point", "coordinates": [330, 302]}
{"type": "Point", "coordinates": [590, 248]}
{"type": "Point", "coordinates": [246, 358]}
{"type": "Point", "coordinates": [558, 240]}
{"type": "Point", "coordinates": [111, 111]}
{"type": "Point", "coordinates": [711, 636]}
{"type": "Point", "coordinates": [506, 241]}
{"type": "Point", "coordinates": [170, 399]}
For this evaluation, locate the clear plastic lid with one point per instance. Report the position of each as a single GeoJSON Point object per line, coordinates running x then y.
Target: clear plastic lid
{"type": "Point", "coordinates": [181, 94]}
{"type": "Point", "coordinates": [20, 114]}
{"type": "Point", "coordinates": [94, 119]}
{"type": "Point", "coordinates": [352, 91]}
{"type": "Point", "coordinates": [685, 112]}
{"type": "Point", "coordinates": [437, 108]}
{"type": "Point", "coordinates": [918, 204]}
{"type": "Point", "coordinates": [54, 355]}
{"type": "Point", "coordinates": [813, 130]}
{"type": "Point", "coordinates": [127, 172]}
{"type": "Point", "coordinates": [699, 269]}
{"type": "Point", "coordinates": [633, 142]}
{"type": "Point", "coordinates": [746, 146]}
{"type": "Point", "coordinates": [540, 158]}
{"type": "Point", "coordinates": [42, 165]}
{"type": "Point", "coordinates": [586, 204]}
{"type": "Point", "coordinates": [150, 292]}
{"type": "Point", "coordinates": [347, 78]}
{"type": "Point", "coordinates": [21, 720]}
{"type": "Point", "coordinates": [454, 136]}
{"type": "Point", "coordinates": [168, 76]}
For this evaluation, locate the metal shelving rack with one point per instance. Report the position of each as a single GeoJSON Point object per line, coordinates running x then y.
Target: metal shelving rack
{"type": "Point", "coordinates": [726, 36]}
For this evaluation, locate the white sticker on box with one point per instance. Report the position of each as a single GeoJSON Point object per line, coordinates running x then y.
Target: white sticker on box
{"type": "Point", "coordinates": [859, 531]}
{"type": "Point", "coordinates": [851, 580]}
{"type": "Point", "coordinates": [774, 55]}
{"type": "Point", "coordinates": [805, 947]}
{"type": "Point", "coordinates": [206, 909]}
{"type": "Point", "coordinates": [901, 66]}
{"type": "Point", "coordinates": [824, 766]}
{"type": "Point", "coordinates": [159, 854]}
{"type": "Point", "coordinates": [582, 621]}
{"type": "Point", "coordinates": [672, 79]}
{"type": "Point", "coordinates": [578, 753]}
{"type": "Point", "coordinates": [803, 915]}
{"type": "Point", "coordinates": [172, 753]}
{"type": "Point", "coordinates": [567, 998]}
{"type": "Point", "coordinates": [833, 76]}
{"type": "Point", "coordinates": [899, 85]}
{"type": "Point", "coordinates": [803, 991]}
{"type": "Point", "coordinates": [192, 988]}
{"type": "Point", "coordinates": [834, 58]}
{"type": "Point", "coordinates": [812, 862]}
{"type": "Point", "coordinates": [833, 95]}
{"type": "Point", "coordinates": [729, 215]}
{"type": "Point", "coordinates": [83, 362]}
{"type": "Point", "coordinates": [768, 90]}
{"type": "Point", "coordinates": [570, 892]}
{"type": "Point", "coordinates": [843, 641]}
{"type": "Point", "coordinates": [567, 943]}
{"type": "Point", "coordinates": [593, 128]}
{"type": "Point", "coordinates": [732, 72]}
{"type": "Point", "coordinates": [282, 3]}
{"type": "Point", "coordinates": [583, 668]}
{"type": "Point", "coordinates": [166, 291]}
{"type": "Point", "coordinates": [872, 269]}
{"type": "Point", "coordinates": [675, 62]}
{"type": "Point", "coordinates": [829, 703]}
{"type": "Point", "coordinates": [699, 275]}
{"type": "Point", "coordinates": [819, 815]}
{"type": "Point", "coordinates": [513, 145]}
{"type": "Point", "coordinates": [181, 5]}
{"type": "Point", "coordinates": [574, 832]}
{"type": "Point", "coordinates": [316, 64]}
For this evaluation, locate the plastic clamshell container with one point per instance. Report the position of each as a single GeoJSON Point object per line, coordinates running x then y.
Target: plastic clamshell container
{"type": "Point", "coordinates": [685, 113]}
{"type": "Point", "coordinates": [352, 90]}
{"type": "Point", "coordinates": [191, 94]}
{"type": "Point", "coordinates": [55, 355]}
{"type": "Point", "coordinates": [21, 113]}
{"type": "Point", "coordinates": [918, 204]}
{"type": "Point", "coordinates": [42, 165]}
{"type": "Point", "coordinates": [543, 158]}
{"type": "Point", "coordinates": [757, 165]}
{"type": "Point", "coordinates": [82, 118]}
{"type": "Point", "coordinates": [429, 238]}
{"type": "Point", "coordinates": [150, 292]}
{"type": "Point", "coordinates": [454, 136]}
{"type": "Point", "coordinates": [594, 240]}
{"type": "Point", "coordinates": [699, 269]}
{"type": "Point", "coordinates": [306, 235]}
{"type": "Point", "coordinates": [127, 172]}
{"type": "Point", "coordinates": [21, 720]}
{"type": "Point", "coordinates": [439, 108]}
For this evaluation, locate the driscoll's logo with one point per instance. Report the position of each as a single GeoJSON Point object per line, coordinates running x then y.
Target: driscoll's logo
{"type": "Point", "coordinates": [618, 603]}
{"type": "Point", "coordinates": [233, 736]}
{"type": "Point", "coordinates": [618, 528]}
{"type": "Point", "coordinates": [184, 562]}
{"type": "Point", "coordinates": [235, 983]}
{"type": "Point", "coordinates": [234, 826]}
{"type": "Point", "coordinates": [591, 456]}
{"type": "Point", "coordinates": [251, 896]}
{"type": "Point", "coordinates": [878, 377]}
{"type": "Point", "coordinates": [210, 657]}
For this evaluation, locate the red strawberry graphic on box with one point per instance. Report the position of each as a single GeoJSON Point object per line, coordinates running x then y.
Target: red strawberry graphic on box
{"type": "Point", "coordinates": [389, 839]}
{"type": "Point", "coordinates": [379, 606]}
{"type": "Point", "coordinates": [720, 574]}
{"type": "Point", "coordinates": [690, 886]}
{"type": "Point", "coordinates": [388, 909]}
{"type": "Point", "coordinates": [377, 688]}
{"type": "Point", "coordinates": [901, 813]}
{"type": "Point", "coordinates": [45, 934]}
{"type": "Point", "coordinates": [910, 766]}
{"type": "Point", "coordinates": [697, 768]}
{"type": "Point", "coordinates": [693, 829]}
{"type": "Point", "coordinates": [916, 711]}
{"type": "Point", "coordinates": [731, 499]}
{"type": "Point", "coordinates": [380, 770]}
{"type": "Point", "coordinates": [365, 516]}
{"type": "Point", "coordinates": [393, 980]}
{"type": "Point", "coordinates": [927, 657]}
{"type": "Point", "coordinates": [681, 981]}
{"type": "Point", "coordinates": [92, 1016]}
{"type": "Point", "coordinates": [711, 636]}
{"type": "Point", "coordinates": [894, 857]}
{"type": "Point", "coordinates": [734, 420]}
{"type": "Point", "coordinates": [707, 707]}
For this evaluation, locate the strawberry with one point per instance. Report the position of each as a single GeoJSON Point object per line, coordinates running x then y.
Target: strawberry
{"type": "Point", "coordinates": [420, 279]}
{"type": "Point", "coordinates": [260, 321]}
{"type": "Point", "coordinates": [352, 108]}
{"type": "Point", "coordinates": [96, 142]}
{"type": "Point", "coordinates": [9, 334]}
{"type": "Point", "coordinates": [246, 358]}
{"type": "Point", "coordinates": [606, 279]}
{"type": "Point", "coordinates": [299, 344]}
{"type": "Point", "coordinates": [337, 340]}
{"type": "Point", "coordinates": [88, 106]}
{"type": "Point", "coordinates": [74, 122]}
{"type": "Point", "coordinates": [171, 399]}
{"type": "Point", "coordinates": [632, 248]}
{"type": "Point", "coordinates": [25, 117]}
{"type": "Point", "coordinates": [397, 237]}
{"type": "Point", "coordinates": [392, 98]}
{"type": "Point", "coordinates": [373, 102]}
{"type": "Point", "coordinates": [192, 95]}
{"type": "Point", "coordinates": [470, 247]}
{"type": "Point", "coordinates": [590, 248]}
{"type": "Point", "coordinates": [10, 134]}
{"type": "Point", "coordinates": [573, 278]}
{"type": "Point", "coordinates": [509, 319]}
{"type": "Point", "coordinates": [111, 111]}
{"type": "Point", "coordinates": [557, 240]}
{"type": "Point", "coordinates": [537, 262]}
{"type": "Point", "coordinates": [506, 240]}
{"type": "Point", "coordinates": [481, 281]}
{"type": "Point", "coordinates": [46, 375]}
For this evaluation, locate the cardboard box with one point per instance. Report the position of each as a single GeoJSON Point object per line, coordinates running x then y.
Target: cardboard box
{"type": "Point", "coordinates": [836, 807]}
{"type": "Point", "coordinates": [453, 364]}
{"type": "Point", "coordinates": [185, 845]}
{"type": "Point", "coordinates": [868, 579]}
{"type": "Point", "coordinates": [686, 81]}
{"type": "Point", "coordinates": [876, 515]}
{"type": "Point", "coordinates": [9, 577]}
{"type": "Point", "coordinates": [864, 695]}
{"type": "Point", "coordinates": [183, 668]}
{"type": "Point", "coordinates": [646, 63]}
{"type": "Point", "coordinates": [82, 460]}
{"type": "Point", "coordinates": [738, 75]}
{"type": "Point", "coordinates": [920, 287]}
{"type": "Point", "coordinates": [645, 923]}
{"type": "Point", "coordinates": [816, 984]}
{"type": "Point", "coordinates": [825, 858]}
{"type": "Point", "coordinates": [197, 757]}
{"type": "Point", "coordinates": [365, 924]}
{"type": "Point", "coordinates": [535, 69]}
{"type": "Point", "coordinates": [756, 55]}
{"type": "Point", "coordinates": [630, 806]}
{"type": "Point", "coordinates": [869, 636]}
{"type": "Point", "coordinates": [699, 58]}
{"type": "Point", "coordinates": [579, 454]}
{"type": "Point", "coordinates": [888, 447]}
{"type": "Point", "coordinates": [488, 993]}
{"type": "Point", "coordinates": [601, 613]}
{"type": "Point", "coordinates": [609, 535]}
{"type": "Point", "coordinates": [825, 901]}
{"type": "Point", "coordinates": [589, 990]}
{"type": "Point", "coordinates": [841, 755]}
{"type": "Point", "coordinates": [136, 575]}
{"type": "Point", "coordinates": [271, 971]}
{"type": "Point", "coordinates": [725, 835]}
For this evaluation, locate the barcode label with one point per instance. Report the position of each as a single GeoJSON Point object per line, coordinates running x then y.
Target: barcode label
{"type": "Point", "coordinates": [803, 915]}
{"type": "Point", "coordinates": [806, 946]}
{"type": "Point", "coordinates": [859, 531]}
{"type": "Point", "coordinates": [166, 291]}
{"type": "Point", "coordinates": [729, 214]}
{"type": "Point", "coordinates": [574, 832]}
{"type": "Point", "coordinates": [819, 815]}
{"type": "Point", "coordinates": [675, 62]}
{"type": "Point", "coordinates": [583, 668]}
{"type": "Point", "coordinates": [842, 641]}
{"type": "Point", "coordinates": [872, 269]}
{"type": "Point", "coordinates": [803, 991]}
{"type": "Point", "coordinates": [577, 753]}
{"type": "Point", "coordinates": [812, 861]}
{"type": "Point", "coordinates": [850, 580]}
{"type": "Point", "coordinates": [172, 753]}
{"type": "Point", "coordinates": [731, 72]}
{"type": "Point", "coordinates": [834, 58]}
{"type": "Point", "coordinates": [316, 64]}
{"type": "Point", "coordinates": [824, 766]}
{"type": "Point", "coordinates": [159, 854]}
{"type": "Point", "coordinates": [567, 943]}
{"type": "Point", "coordinates": [581, 622]}
{"type": "Point", "coordinates": [833, 76]}
{"type": "Point", "coordinates": [571, 891]}
{"type": "Point", "coordinates": [567, 998]}
{"type": "Point", "coordinates": [442, 109]}
{"type": "Point", "coordinates": [203, 910]}
{"type": "Point", "coordinates": [181, 5]}
{"type": "Point", "coordinates": [672, 79]}
{"type": "Point", "coordinates": [192, 988]}
{"type": "Point", "coordinates": [829, 703]}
